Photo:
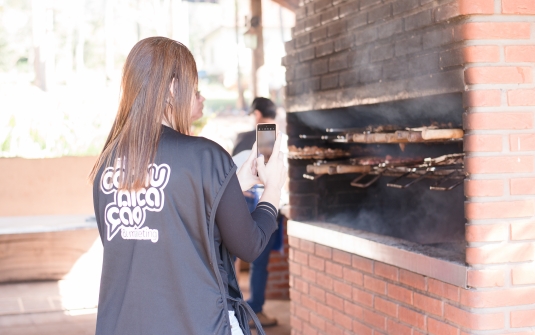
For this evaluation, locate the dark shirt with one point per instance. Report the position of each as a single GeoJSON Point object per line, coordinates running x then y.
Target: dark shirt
{"type": "Point", "coordinates": [244, 141]}
{"type": "Point", "coordinates": [245, 235]}
{"type": "Point", "coordinates": [162, 270]}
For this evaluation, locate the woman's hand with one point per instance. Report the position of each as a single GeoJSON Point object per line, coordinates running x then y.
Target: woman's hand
{"type": "Point", "coordinates": [273, 174]}
{"type": "Point", "coordinates": [247, 173]}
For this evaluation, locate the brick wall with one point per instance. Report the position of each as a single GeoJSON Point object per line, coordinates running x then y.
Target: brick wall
{"type": "Point", "coordinates": [334, 292]}
{"type": "Point", "coordinates": [354, 52]}
{"type": "Point", "coordinates": [498, 55]}
{"type": "Point", "coordinates": [278, 279]}
{"type": "Point", "coordinates": [346, 53]}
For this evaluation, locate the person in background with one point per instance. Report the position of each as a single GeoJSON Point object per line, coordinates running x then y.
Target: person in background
{"type": "Point", "coordinates": [264, 111]}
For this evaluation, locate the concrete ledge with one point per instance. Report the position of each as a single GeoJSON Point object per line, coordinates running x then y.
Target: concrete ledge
{"type": "Point", "coordinates": [428, 261]}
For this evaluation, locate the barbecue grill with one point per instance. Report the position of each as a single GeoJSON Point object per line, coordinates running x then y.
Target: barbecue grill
{"type": "Point", "coordinates": [447, 170]}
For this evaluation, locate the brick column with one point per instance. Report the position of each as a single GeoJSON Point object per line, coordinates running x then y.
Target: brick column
{"type": "Point", "coordinates": [278, 285]}
{"type": "Point", "coordinates": [498, 56]}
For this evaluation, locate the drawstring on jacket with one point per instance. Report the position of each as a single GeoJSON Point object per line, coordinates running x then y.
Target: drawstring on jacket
{"type": "Point", "coordinates": [241, 309]}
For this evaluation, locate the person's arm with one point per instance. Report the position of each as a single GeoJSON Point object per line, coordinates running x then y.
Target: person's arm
{"type": "Point", "coordinates": [244, 234]}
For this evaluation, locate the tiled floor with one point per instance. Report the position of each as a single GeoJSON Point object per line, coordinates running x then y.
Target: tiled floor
{"type": "Point", "coordinates": [280, 309]}
{"type": "Point", "coordinates": [68, 308]}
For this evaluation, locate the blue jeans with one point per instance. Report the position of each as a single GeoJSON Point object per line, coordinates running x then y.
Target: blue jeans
{"type": "Point", "coordinates": [258, 277]}
{"type": "Point", "coordinates": [258, 273]}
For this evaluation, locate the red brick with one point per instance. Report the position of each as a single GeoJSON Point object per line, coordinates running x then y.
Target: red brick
{"type": "Point", "coordinates": [362, 297]}
{"type": "Point", "coordinates": [324, 281]}
{"type": "Point", "coordinates": [296, 323]}
{"type": "Point", "coordinates": [514, 296]}
{"type": "Point", "coordinates": [523, 231]}
{"type": "Point", "coordinates": [400, 293]}
{"type": "Point", "coordinates": [482, 98]}
{"type": "Point", "coordinates": [354, 277]}
{"type": "Point", "coordinates": [523, 275]}
{"type": "Point", "coordinates": [331, 328]}
{"type": "Point", "coordinates": [521, 97]}
{"type": "Point", "coordinates": [443, 290]}
{"type": "Point", "coordinates": [341, 257]}
{"type": "Point", "coordinates": [309, 330]}
{"type": "Point", "coordinates": [375, 285]}
{"type": "Point", "coordinates": [295, 268]}
{"type": "Point", "coordinates": [474, 321]}
{"type": "Point", "coordinates": [325, 311]}
{"type": "Point", "coordinates": [436, 327]}
{"type": "Point", "coordinates": [317, 321]}
{"type": "Point", "coordinates": [485, 143]}
{"type": "Point", "coordinates": [411, 317]}
{"type": "Point", "coordinates": [362, 264]}
{"type": "Point", "coordinates": [481, 53]}
{"type": "Point", "coordinates": [522, 142]}
{"type": "Point", "coordinates": [483, 188]}
{"type": "Point", "coordinates": [386, 307]}
{"type": "Point", "coordinates": [497, 121]}
{"type": "Point", "coordinates": [308, 274]}
{"type": "Point", "coordinates": [302, 312]}
{"type": "Point", "coordinates": [498, 75]}
{"type": "Point", "coordinates": [386, 271]}
{"type": "Point", "coordinates": [317, 293]}
{"type": "Point", "coordinates": [342, 289]}
{"type": "Point", "coordinates": [295, 295]}
{"type": "Point", "coordinates": [500, 253]}
{"type": "Point", "coordinates": [307, 246]}
{"type": "Point", "coordinates": [518, 7]}
{"type": "Point", "coordinates": [487, 232]}
{"type": "Point", "coordinates": [301, 285]}
{"type": "Point", "coordinates": [486, 278]}
{"type": "Point", "coordinates": [476, 7]}
{"type": "Point", "coordinates": [300, 257]}
{"type": "Point", "coordinates": [501, 164]}
{"type": "Point", "coordinates": [353, 310]}
{"type": "Point", "coordinates": [494, 30]}
{"type": "Point", "coordinates": [308, 301]}
{"type": "Point", "coordinates": [397, 328]}
{"type": "Point", "coordinates": [293, 241]}
{"type": "Point", "coordinates": [323, 251]}
{"type": "Point", "coordinates": [497, 210]}
{"type": "Point", "coordinates": [412, 279]}
{"type": "Point", "coordinates": [342, 320]}
{"type": "Point", "coordinates": [316, 263]}
{"type": "Point", "coordinates": [361, 329]}
{"type": "Point", "coordinates": [374, 319]}
{"type": "Point", "coordinates": [520, 53]}
{"type": "Point", "coordinates": [427, 304]}
{"type": "Point", "coordinates": [334, 269]}
{"type": "Point", "coordinates": [524, 318]}
{"type": "Point", "coordinates": [523, 186]}
{"type": "Point", "coordinates": [334, 301]}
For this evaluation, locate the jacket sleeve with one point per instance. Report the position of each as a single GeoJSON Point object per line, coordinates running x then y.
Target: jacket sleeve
{"type": "Point", "coordinates": [244, 234]}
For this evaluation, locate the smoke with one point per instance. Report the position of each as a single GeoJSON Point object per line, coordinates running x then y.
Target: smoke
{"type": "Point", "coordinates": [445, 109]}
{"type": "Point", "coordinates": [415, 214]}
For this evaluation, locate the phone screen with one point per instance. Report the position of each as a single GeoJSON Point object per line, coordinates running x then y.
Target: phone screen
{"type": "Point", "coordinates": [266, 134]}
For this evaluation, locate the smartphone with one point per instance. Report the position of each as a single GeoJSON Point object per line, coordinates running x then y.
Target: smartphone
{"type": "Point", "coordinates": [266, 133]}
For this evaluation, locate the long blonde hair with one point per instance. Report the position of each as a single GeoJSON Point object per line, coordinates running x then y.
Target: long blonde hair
{"type": "Point", "coordinates": [154, 67]}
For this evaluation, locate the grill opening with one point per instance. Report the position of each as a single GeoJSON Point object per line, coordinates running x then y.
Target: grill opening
{"type": "Point", "coordinates": [405, 189]}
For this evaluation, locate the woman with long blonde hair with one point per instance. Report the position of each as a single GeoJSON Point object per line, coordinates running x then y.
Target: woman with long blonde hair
{"type": "Point", "coordinates": [170, 209]}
